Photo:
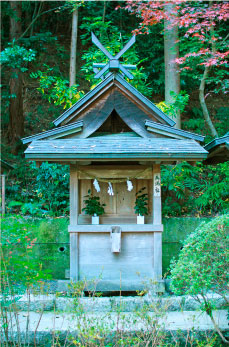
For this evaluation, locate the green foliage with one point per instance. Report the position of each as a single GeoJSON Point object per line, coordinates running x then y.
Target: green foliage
{"type": "Point", "coordinates": [38, 192]}
{"type": "Point", "coordinates": [41, 42]}
{"type": "Point", "coordinates": [19, 265]}
{"type": "Point", "coordinates": [52, 230]}
{"type": "Point", "coordinates": [141, 202]}
{"type": "Point", "coordinates": [196, 122]}
{"type": "Point", "coordinates": [52, 187]}
{"type": "Point", "coordinates": [93, 205]}
{"type": "Point", "coordinates": [203, 264]}
{"type": "Point", "coordinates": [200, 189]}
{"type": "Point", "coordinates": [56, 89]}
{"type": "Point", "coordinates": [20, 185]}
{"type": "Point", "coordinates": [31, 208]}
{"type": "Point", "coordinates": [175, 192]}
{"type": "Point", "coordinates": [17, 57]}
{"type": "Point", "coordinates": [111, 38]}
{"type": "Point", "coordinates": [178, 105]}
{"type": "Point", "coordinates": [222, 117]}
{"type": "Point", "coordinates": [203, 261]}
{"type": "Point", "coordinates": [151, 48]}
{"type": "Point", "coordinates": [214, 193]}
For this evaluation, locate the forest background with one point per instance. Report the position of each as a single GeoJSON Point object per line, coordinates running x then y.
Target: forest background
{"type": "Point", "coordinates": [47, 57]}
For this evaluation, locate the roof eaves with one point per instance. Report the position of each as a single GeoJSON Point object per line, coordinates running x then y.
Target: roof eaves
{"type": "Point", "coordinates": [60, 130]}
{"type": "Point", "coordinates": [217, 141]}
{"type": "Point", "coordinates": [125, 148]}
{"type": "Point", "coordinates": [100, 156]}
{"type": "Point", "coordinates": [84, 99]}
{"type": "Point", "coordinates": [171, 130]}
{"type": "Point", "coordinates": [146, 101]}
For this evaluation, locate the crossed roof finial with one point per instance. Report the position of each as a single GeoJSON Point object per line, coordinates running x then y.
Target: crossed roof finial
{"type": "Point", "coordinates": [114, 63]}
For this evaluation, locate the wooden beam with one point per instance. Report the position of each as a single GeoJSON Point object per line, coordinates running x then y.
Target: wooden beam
{"type": "Point", "coordinates": [67, 161]}
{"type": "Point", "coordinates": [156, 194]}
{"type": "Point", "coordinates": [156, 208]}
{"type": "Point", "coordinates": [114, 171]}
{"type": "Point", "coordinates": [74, 210]}
{"type": "Point", "coordinates": [106, 228]}
{"type": "Point", "coordinates": [74, 195]}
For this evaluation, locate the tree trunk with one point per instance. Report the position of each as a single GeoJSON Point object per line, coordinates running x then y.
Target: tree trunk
{"type": "Point", "coordinates": [16, 123]}
{"type": "Point", "coordinates": [104, 11]}
{"type": "Point", "coordinates": [16, 107]}
{"type": "Point", "coordinates": [171, 52]}
{"type": "Point", "coordinates": [72, 73]}
{"type": "Point", "coordinates": [203, 103]}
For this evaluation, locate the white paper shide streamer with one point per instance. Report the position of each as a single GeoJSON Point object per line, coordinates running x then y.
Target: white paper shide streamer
{"type": "Point", "coordinates": [96, 185]}
{"type": "Point", "coordinates": [129, 185]}
{"type": "Point", "coordinates": [110, 189]}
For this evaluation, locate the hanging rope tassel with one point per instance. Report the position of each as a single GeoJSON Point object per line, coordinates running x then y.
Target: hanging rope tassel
{"type": "Point", "coordinates": [129, 185]}
{"type": "Point", "coordinates": [96, 185]}
{"type": "Point", "coordinates": [110, 189]}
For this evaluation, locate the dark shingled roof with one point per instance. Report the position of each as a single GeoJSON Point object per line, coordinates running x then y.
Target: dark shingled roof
{"type": "Point", "coordinates": [218, 150]}
{"type": "Point", "coordinates": [111, 80]}
{"type": "Point", "coordinates": [98, 147]}
{"type": "Point", "coordinates": [63, 131]}
{"type": "Point", "coordinates": [216, 142]}
{"type": "Point", "coordinates": [165, 129]}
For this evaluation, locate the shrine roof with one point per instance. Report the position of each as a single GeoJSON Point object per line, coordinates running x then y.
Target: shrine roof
{"type": "Point", "coordinates": [119, 81]}
{"type": "Point", "coordinates": [116, 148]}
{"type": "Point", "coordinates": [166, 130]}
{"type": "Point", "coordinates": [218, 150]}
{"type": "Point", "coordinates": [55, 133]}
{"type": "Point", "coordinates": [216, 142]}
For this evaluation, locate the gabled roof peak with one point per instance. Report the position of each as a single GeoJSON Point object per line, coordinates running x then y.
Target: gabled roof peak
{"type": "Point", "coordinates": [117, 80]}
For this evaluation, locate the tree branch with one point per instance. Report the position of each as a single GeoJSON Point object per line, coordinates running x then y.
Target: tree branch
{"type": "Point", "coordinates": [37, 16]}
{"type": "Point", "coordinates": [203, 103]}
{"type": "Point", "coordinates": [209, 312]}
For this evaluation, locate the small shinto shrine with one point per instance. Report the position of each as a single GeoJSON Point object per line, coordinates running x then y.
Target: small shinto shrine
{"type": "Point", "coordinates": [114, 139]}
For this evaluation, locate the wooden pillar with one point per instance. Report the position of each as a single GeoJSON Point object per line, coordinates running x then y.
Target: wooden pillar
{"type": "Point", "coordinates": [156, 208]}
{"type": "Point", "coordinates": [74, 211]}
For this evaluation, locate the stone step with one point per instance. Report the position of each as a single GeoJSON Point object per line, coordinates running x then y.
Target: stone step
{"type": "Point", "coordinates": [113, 304]}
{"type": "Point", "coordinates": [43, 326]}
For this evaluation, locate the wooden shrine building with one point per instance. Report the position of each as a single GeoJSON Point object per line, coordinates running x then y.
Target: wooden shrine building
{"type": "Point", "coordinates": [114, 134]}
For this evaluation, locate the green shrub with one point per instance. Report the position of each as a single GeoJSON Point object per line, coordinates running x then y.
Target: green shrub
{"type": "Point", "coordinates": [203, 264]}
{"type": "Point", "coordinates": [203, 261]}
